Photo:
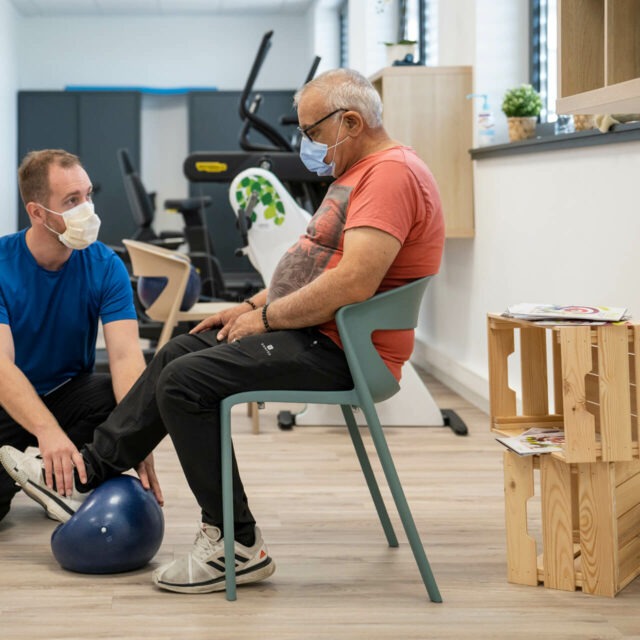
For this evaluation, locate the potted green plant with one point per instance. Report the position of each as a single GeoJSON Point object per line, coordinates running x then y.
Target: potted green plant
{"type": "Point", "coordinates": [522, 107]}
{"type": "Point", "coordinates": [398, 51]}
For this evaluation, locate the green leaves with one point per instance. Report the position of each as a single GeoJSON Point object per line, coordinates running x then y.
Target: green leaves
{"type": "Point", "coordinates": [268, 198]}
{"type": "Point", "coordinates": [521, 102]}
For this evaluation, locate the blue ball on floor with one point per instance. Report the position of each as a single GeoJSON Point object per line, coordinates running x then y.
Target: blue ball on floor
{"type": "Point", "coordinates": [118, 528]}
{"type": "Point", "coordinates": [150, 287]}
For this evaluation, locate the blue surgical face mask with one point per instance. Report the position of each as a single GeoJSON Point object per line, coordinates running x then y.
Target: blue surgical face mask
{"type": "Point", "coordinates": [313, 153]}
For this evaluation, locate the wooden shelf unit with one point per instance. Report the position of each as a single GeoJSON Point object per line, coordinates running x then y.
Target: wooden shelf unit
{"type": "Point", "coordinates": [426, 108]}
{"type": "Point", "coordinates": [590, 493]}
{"type": "Point", "coordinates": [598, 56]}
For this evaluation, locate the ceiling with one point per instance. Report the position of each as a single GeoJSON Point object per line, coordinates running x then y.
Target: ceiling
{"type": "Point", "coordinates": [50, 8]}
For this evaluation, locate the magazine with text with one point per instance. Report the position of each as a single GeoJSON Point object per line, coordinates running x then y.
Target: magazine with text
{"type": "Point", "coordinates": [536, 311]}
{"type": "Point", "coordinates": [534, 441]}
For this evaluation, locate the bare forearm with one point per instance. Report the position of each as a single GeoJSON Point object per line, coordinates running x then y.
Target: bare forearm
{"type": "Point", "coordinates": [21, 401]}
{"type": "Point", "coordinates": [125, 372]}
{"type": "Point", "coordinates": [126, 361]}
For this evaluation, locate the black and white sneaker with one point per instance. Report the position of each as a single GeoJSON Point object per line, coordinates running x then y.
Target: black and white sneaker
{"type": "Point", "coordinates": [28, 471]}
{"type": "Point", "coordinates": [202, 570]}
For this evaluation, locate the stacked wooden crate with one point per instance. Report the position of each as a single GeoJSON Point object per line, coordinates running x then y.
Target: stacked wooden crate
{"type": "Point", "coordinates": [590, 492]}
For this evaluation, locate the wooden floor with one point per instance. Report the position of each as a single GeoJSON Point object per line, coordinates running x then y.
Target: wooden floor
{"type": "Point", "coordinates": [335, 577]}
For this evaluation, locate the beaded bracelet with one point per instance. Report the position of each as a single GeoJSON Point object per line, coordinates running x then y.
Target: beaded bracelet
{"type": "Point", "coordinates": [264, 318]}
{"type": "Point", "coordinates": [251, 303]}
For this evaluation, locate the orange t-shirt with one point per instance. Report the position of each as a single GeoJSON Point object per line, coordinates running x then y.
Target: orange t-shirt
{"type": "Point", "coordinates": [391, 190]}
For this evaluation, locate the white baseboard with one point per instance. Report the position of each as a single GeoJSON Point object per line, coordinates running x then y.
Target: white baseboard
{"type": "Point", "coordinates": [466, 383]}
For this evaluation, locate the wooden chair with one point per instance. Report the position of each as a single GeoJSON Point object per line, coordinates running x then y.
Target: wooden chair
{"type": "Point", "coordinates": [151, 260]}
{"type": "Point", "coordinates": [373, 382]}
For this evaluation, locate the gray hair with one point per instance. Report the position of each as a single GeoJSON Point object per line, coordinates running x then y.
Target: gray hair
{"type": "Point", "coordinates": [347, 89]}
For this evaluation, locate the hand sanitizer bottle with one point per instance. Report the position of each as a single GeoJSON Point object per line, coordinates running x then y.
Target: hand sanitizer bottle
{"type": "Point", "coordinates": [486, 124]}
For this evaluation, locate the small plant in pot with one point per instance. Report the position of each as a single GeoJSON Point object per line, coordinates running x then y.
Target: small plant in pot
{"type": "Point", "coordinates": [522, 107]}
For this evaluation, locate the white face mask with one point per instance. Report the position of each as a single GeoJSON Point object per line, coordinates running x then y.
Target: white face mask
{"type": "Point", "coordinates": [82, 224]}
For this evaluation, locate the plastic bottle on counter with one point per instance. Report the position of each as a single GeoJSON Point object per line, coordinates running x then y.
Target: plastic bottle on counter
{"type": "Point", "coordinates": [486, 129]}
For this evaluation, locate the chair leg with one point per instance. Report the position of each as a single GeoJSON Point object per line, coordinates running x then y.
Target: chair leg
{"type": "Point", "coordinates": [401, 503]}
{"type": "Point", "coordinates": [361, 452]}
{"type": "Point", "coordinates": [254, 414]}
{"type": "Point", "coordinates": [227, 502]}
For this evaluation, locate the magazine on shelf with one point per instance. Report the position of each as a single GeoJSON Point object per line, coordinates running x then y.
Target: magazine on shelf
{"type": "Point", "coordinates": [537, 311]}
{"type": "Point", "coordinates": [534, 441]}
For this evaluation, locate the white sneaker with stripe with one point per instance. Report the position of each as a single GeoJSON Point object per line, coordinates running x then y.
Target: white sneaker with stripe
{"type": "Point", "coordinates": [27, 471]}
{"type": "Point", "coordinates": [202, 570]}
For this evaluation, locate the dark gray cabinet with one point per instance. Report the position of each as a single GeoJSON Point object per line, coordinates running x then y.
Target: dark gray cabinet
{"type": "Point", "coordinates": [93, 125]}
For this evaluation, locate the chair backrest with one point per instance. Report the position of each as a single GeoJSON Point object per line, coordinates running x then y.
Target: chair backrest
{"type": "Point", "coordinates": [394, 309]}
{"type": "Point", "coordinates": [142, 208]}
{"type": "Point", "coordinates": [151, 260]}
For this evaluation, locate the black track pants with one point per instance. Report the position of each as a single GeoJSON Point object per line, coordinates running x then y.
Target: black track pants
{"type": "Point", "coordinates": [180, 392]}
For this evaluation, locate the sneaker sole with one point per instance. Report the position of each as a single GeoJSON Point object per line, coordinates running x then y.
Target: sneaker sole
{"type": "Point", "coordinates": [54, 506]}
{"type": "Point", "coordinates": [256, 575]}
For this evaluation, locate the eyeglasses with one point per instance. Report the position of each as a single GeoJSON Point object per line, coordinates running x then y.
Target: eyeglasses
{"type": "Point", "coordinates": [305, 131]}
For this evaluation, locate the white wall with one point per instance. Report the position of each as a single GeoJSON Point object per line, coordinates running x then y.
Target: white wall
{"type": "Point", "coordinates": [492, 36]}
{"type": "Point", "coordinates": [554, 227]}
{"type": "Point", "coordinates": [501, 53]}
{"type": "Point", "coordinates": [369, 29]}
{"type": "Point", "coordinates": [323, 27]}
{"type": "Point", "coordinates": [164, 144]}
{"type": "Point", "coordinates": [456, 32]}
{"type": "Point", "coordinates": [171, 51]}
{"type": "Point", "coordinates": [559, 227]}
{"type": "Point", "coordinates": [8, 118]}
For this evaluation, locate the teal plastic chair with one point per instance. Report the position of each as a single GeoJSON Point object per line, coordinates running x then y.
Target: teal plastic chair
{"type": "Point", "coordinates": [373, 382]}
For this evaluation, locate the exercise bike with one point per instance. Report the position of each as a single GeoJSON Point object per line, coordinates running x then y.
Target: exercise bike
{"type": "Point", "coordinates": [195, 233]}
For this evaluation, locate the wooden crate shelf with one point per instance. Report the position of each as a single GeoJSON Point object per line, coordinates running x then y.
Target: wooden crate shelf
{"type": "Point", "coordinates": [590, 492]}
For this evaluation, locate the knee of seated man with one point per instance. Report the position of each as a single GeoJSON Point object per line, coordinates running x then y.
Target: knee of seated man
{"type": "Point", "coordinates": [176, 347]}
{"type": "Point", "coordinates": [177, 381]}
{"type": "Point", "coordinates": [183, 383]}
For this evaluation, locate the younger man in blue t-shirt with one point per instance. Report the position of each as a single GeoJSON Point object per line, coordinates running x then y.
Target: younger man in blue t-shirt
{"type": "Point", "coordinates": [56, 283]}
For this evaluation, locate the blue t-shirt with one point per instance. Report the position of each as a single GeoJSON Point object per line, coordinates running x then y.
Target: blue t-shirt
{"type": "Point", "coordinates": [53, 315]}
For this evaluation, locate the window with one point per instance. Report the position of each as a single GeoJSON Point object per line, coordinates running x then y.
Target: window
{"type": "Point", "coordinates": [343, 16]}
{"type": "Point", "coordinates": [419, 22]}
{"type": "Point", "coordinates": [415, 17]}
{"type": "Point", "coordinates": [544, 55]}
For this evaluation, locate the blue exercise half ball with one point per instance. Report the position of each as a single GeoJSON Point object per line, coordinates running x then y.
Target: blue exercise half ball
{"type": "Point", "coordinates": [118, 528]}
{"type": "Point", "coordinates": [150, 287]}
